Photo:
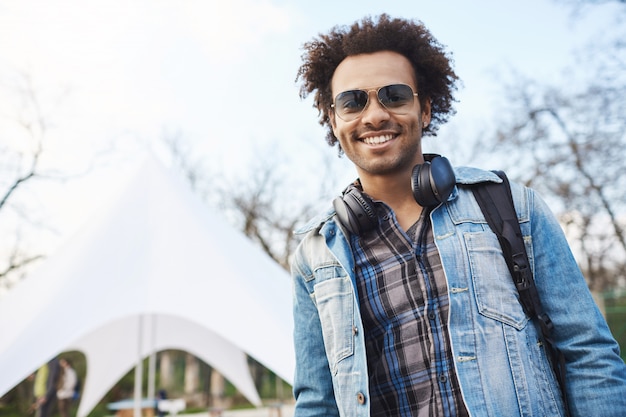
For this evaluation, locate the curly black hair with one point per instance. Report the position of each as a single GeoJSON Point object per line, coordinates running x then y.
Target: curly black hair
{"type": "Point", "coordinates": [436, 80]}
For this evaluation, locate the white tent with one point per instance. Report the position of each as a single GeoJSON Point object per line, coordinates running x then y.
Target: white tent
{"type": "Point", "coordinates": [154, 270]}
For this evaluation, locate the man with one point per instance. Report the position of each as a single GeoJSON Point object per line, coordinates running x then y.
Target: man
{"type": "Point", "coordinates": [39, 388]}
{"type": "Point", "coordinates": [403, 303]}
{"type": "Point", "coordinates": [46, 381]}
{"type": "Point", "coordinates": [67, 387]}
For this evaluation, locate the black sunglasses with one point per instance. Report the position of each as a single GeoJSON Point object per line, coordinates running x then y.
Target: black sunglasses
{"type": "Point", "coordinates": [396, 98]}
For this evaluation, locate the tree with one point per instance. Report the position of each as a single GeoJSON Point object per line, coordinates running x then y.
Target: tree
{"type": "Point", "coordinates": [266, 201]}
{"type": "Point", "coordinates": [27, 165]}
{"type": "Point", "coordinates": [20, 165]}
{"type": "Point", "coordinates": [568, 141]}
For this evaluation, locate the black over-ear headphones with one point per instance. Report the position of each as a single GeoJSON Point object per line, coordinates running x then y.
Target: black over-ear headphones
{"type": "Point", "coordinates": [432, 183]}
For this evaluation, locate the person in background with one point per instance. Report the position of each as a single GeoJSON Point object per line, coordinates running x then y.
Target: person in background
{"type": "Point", "coordinates": [161, 395]}
{"type": "Point", "coordinates": [67, 386]}
{"type": "Point", "coordinates": [403, 302]}
{"type": "Point", "coordinates": [39, 388]}
{"type": "Point", "coordinates": [46, 381]}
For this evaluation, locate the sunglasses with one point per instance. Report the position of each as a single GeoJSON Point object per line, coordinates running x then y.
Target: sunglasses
{"type": "Point", "coordinates": [396, 98]}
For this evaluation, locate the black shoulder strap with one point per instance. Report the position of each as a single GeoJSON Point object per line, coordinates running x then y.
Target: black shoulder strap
{"type": "Point", "coordinates": [496, 202]}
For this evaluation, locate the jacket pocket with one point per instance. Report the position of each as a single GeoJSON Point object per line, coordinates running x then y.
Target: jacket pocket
{"type": "Point", "coordinates": [494, 290]}
{"type": "Point", "coordinates": [335, 302]}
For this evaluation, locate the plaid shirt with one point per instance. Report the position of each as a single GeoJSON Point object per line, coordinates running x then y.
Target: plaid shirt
{"type": "Point", "coordinates": [404, 307]}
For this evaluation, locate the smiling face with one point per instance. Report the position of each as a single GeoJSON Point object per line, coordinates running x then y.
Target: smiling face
{"type": "Point", "coordinates": [379, 142]}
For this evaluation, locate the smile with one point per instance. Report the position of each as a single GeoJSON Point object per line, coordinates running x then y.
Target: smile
{"type": "Point", "coordinates": [377, 140]}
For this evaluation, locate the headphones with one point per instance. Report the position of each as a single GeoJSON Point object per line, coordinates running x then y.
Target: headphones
{"type": "Point", "coordinates": [432, 183]}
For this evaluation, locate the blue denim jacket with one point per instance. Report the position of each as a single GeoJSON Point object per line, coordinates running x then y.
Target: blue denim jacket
{"type": "Point", "coordinates": [502, 367]}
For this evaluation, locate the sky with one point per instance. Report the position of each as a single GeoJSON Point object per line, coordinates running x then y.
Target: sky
{"type": "Point", "coordinates": [113, 77]}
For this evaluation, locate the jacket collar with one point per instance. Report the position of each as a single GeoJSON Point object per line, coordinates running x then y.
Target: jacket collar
{"type": "Point", "coordinates": [463, 175]}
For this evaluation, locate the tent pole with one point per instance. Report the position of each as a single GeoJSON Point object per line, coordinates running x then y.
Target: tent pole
{"type": "Point", "coordinates": [138, 370]}
{"type": "Point", "coordinates": [152, 360]}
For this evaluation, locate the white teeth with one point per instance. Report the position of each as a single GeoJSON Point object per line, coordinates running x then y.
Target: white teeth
{"type": "Point", "coordinates": [377, 140]}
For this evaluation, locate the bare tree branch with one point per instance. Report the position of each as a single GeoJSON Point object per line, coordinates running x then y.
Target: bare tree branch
{"type": "Point", "coordinates": [36, 128]}
{"type": "Point", "coordinates": [569, 142]}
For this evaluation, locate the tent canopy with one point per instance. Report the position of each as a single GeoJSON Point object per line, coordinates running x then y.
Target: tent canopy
{"type": "Point", "coordinates": [154, 269]}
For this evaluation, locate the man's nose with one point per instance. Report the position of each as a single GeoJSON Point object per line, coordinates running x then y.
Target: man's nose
{"type": "Point", "coordinates": [374, 113]}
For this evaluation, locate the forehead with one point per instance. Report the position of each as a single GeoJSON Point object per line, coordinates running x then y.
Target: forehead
{"type": "Point", "coordinates": [372, 70]}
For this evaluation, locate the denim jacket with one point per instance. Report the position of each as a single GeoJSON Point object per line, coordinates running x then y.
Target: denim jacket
{"type": "Point", "coordinates": [501, 364]}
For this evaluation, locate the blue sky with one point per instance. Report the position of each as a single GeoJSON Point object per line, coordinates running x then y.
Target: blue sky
{"type": "Point", "coordinates": [223, 72]}
{"type": "Point", "coordinates": [115, 74]}
{"type": "Point", "coordinates": [137, 66]}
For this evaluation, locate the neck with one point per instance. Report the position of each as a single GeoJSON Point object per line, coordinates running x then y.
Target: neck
{"type": "Point", "coordinates": [396, 192]}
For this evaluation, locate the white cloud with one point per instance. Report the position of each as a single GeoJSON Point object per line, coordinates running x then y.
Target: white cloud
{"type": "Point", "coordinates": [129, 65]}
{"type": "Point", "coordinates": [73, 36]}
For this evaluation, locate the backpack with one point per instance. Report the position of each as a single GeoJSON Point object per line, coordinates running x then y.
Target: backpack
{"type": "Point", "coordinates": [496, 203]}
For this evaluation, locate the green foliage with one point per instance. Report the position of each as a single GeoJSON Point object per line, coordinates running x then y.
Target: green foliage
{"type": "Point", "coordinates": [615, 305]}
{"type": "Point", "coordinates": [16, 403]}
{"type": "Point", "coordinates": [271, 388]}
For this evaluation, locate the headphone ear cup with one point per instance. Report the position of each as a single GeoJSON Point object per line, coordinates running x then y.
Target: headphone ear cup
{"type": "Point", "coordinates": [433, 181]}
{"type": "Point", "coordinates": [420, 184]}
{"type": "Point", "coordinates": [355, 211]}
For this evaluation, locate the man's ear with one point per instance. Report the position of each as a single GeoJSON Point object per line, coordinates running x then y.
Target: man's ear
{"type": "Point", "coordinates": [425, 113]}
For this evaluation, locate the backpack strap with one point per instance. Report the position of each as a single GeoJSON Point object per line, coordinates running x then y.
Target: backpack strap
{"type": "Point", "coordinates": [496, 203]}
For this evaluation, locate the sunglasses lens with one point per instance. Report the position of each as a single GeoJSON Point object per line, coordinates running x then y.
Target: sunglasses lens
{"type": "Point", "coordinates": [350, 104]}
{"type": "Point", "coordinates": [395, 96]}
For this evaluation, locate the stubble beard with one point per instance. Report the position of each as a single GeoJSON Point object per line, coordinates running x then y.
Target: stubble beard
{"type": "Point", "coordinates": [402, 160]}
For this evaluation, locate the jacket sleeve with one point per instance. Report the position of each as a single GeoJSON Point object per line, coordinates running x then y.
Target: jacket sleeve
{"type": "Point", "coordinates": [313, 387]}
{"type": "Point", "coordinates": [595, 373]}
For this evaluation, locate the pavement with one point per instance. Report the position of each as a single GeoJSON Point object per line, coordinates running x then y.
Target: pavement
{"type": "Point", "coordinates": [286, 410]}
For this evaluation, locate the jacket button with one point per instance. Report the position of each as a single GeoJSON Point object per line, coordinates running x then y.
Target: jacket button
{"type": "Point", "coordinates": [360, 398]}
{"type": "Point", "coordinates": [355, 330]}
